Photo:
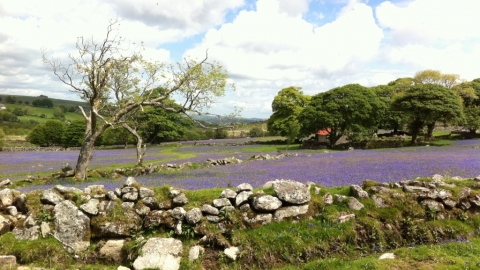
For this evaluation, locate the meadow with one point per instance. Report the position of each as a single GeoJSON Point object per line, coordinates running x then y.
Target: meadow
{"type": "Point", "coordinates": [326, 168]}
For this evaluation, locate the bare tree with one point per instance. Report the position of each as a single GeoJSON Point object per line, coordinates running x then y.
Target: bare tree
{"type": "Point", "coordinates": [116, 80]}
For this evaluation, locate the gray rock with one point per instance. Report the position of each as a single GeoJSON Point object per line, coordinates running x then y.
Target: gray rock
{"type": "Point", "coordinates": [44, 229]}
{"type": "Point", "coordinates": [354, 204]}
{"type": "Point", "coordinates": [180, 200]}
{"type": "Point", "coordinates": [244, 187]}
{"type": "Point", "coordinates": [129, 194]}
{"type": "Point", "coordinates": [159, 217]}
{"type": "Point", "coordinates": [379, 202]}
{"type": "Point", "coordinates": [266, 203]}
{"type": "Point", "coordinates": [12, 210]}
{"type": "Point", "coordinates": [258, 218]}
{"type": "Point", "coordinates": [151, 202]}
{"type": "Point", "coordinates": [219, 203]}
{"type": "Point", "coordinates": [63, 189]}
{"type": "Point", "coordinates": [178, 213]}
{"type": "Point", "coordinates": [112, 250]}
{"type": "Point", "coordinates": [111, 195]}
{"type": "Point", "coordinates": [340, 198]}
{"type": "Point", "coordinates": [244, 207]}
{"type": "Point", "coordinates": [29, 231]}
{"type": "Point", "coordinates": [118, 192]}
{"type": "Point", "coordinates": [175, 192]}
{"type": "Point", "coordinates": [130, 182]}
{"type": "Point", "coordinates": [290, 211]}
{"type": "Point", "coordinates": [160, 253]}
{"type": "Point", "coordinates": [20, 202]}
{"type": "Point", "coordinates": [213, 219]}
{"type": "Point", "coordinates": [358, 192]}
{"type": "Point", "coordinates": [5, 225]}
{"type": "Point", "coordinates": [193, 216]}
{"type": "Point", "coordinates": [91, 207]}
{"type": "Point", "coordinates": [8, 262]}
{"type": "Point", "coordinates": [117, 228]}
{"type": "Point", "coordinates": [72, 226]}
{"type": "Point", "coordinates": [6, 197]}
{"type": "Point", "coordinates": [437, 178]}
{"type": "Point", "coordinates": [50, 197]}
{"type": "Point", "coordinates": [414, 189]}
{"type": "Point", "coordinates": [146, 192]}
{"type": "Point", "coordinates": [5, 183]}
{"type": "Point", "coordinates": [210, 210]}
{"type": "Point", "coordinates": [292, 192]}
{"type": "Point", "coordinates": [195, 252]}
{"type": "Point", "coordinates": [477, 178]}
{"type": "Point", "coordinates": [378, 189]}
{"type": "Point", "coordinates": [178, 227]}
{"type": "Point", "coordinates": [328, 199]}
{"type": "Point", "coordinates": [434, 205]}
{"type": "Point", "coordinates": [449, 203]}
{"type": "Point", "coordinates": [228, 193]}
{"type": "Point", "coordinates": [317, 190]}
{"type": "Point", "coordinates": [465, 205]}
{"type": "Point", "coordinates": [464, 193]}
{"type": "Point", "coordinates": [128, 205]}
{"type": "Point", "coordinates": [345, 217]}
{"type": "Point", "coordinates": [231, 253]}
{"type": "Point", "coordinates": [142, 210]}
{"type": "Point", "coordinates": [242, 197]}
{"type": "Point", "coordinates": [122, 268]}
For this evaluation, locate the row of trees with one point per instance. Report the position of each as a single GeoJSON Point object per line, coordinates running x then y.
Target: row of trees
{"type": "Point", "coordinates": [357, 111]}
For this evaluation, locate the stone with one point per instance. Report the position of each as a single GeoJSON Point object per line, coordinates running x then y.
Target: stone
{"type": "Point", "coordinates": [50, 197]}
{"type": "Point", "coordinates": [354, 204]}
{"type": "Point", "coordinates": [228, 193]}
{"type": "Point", "coordinates": [91, 207]}
{"type": "Point", "coordinates": [151, 202]}
{"type": "Point", "coordinates": [6, 197]}
{"type": "Point", "coordinates": [130, 182]}
{"type": "Point", "coordinates": [387, 256]}
{"type": "Point", "coordinates": [411, 189]}
{"type": "Point", "coordinates": [477, 178]}
{"type": "Point", "coordinates": [465, 205]}
{"type": "Point", "coordinates": [244, 207]}
{"type": "Point", "coordinates": [142, 210]}
{"type": "Point", "coordinates": [266, 203]}
{"type": "Point", "coordinates": [292, 192]}
{"type": "Point", "coordinates": [12, 210]}
{"type": "Point", "coordinates": [112, 250]}
{"type": "Point", "coordinates": [72, 226]}
{"type": "Point", "coordinates": [290, 211]}
{"type": "Point", "coordinates": [210, 210]}
{"type": "Point", "coordinates": [328, 199]}
{"type": "Point", "coordinates": [26, 233]}
{"type": "Point", "coordinates": [437, 178]}
{"type": "Point", "coordinates": [165, 205]}
{"type": "Point", "coordinates": [219, 203]}
{"type": "Point", "coordinates": [159, 217]}
{"type": "Point", "coordinates": [117, 228]}
{"type": "Point", "coordinates": [160, 253]}
{"type": "Point", "coordinates": [379, 202]}
{"type": "Point", "coordinates": [8, 262]}
{"type": "Point", "coordinates": [231, 253]}
{"type": "Point", "coordinates": [180, 200]}
{"type": "Point", "coordinates": [178, 227]}
{"type": "Point", "coordinates": [111, 195]}
{"type": "Point", "coordinates": [242, 197]}
{"type": "Point", "coordinates": [195, 252]}
{"type": "Point", "coordinates": [128, 205]}
{"type": "Point", "coordinates": [129, 194]}
{"type": "Point", "coordinates": [64, 189]}
{"type": "Point", "coordinates": [175, 192]}
{"type": "Point", "coordinates": [5, 224]}
{"type": "Point", "coordinates": [358, 192]}
{"type": "Point", "coordinates": [449, 203]}
{"type": "Point", "coordinates": [123, 268]}
{"type": "Point", "coordinates": [178, 213]}
{"type": "Point", "coordinates": [340, 198]}
{"type": "Point", "coordinates": [213, 219]}
{"type": "Point", "coordinates": [258, 218]}
{"type": "Point", "coordinates": [145, 192]}
{"type": "Point", "coordinates": [20, 202]}
{"type": "Point", "coordinates": [244, 187]}
{"type": "Point", "coordinates": [193, 216]}
{"type": "Point", "coordinates": [317, 190]}
{"type": "Point", "coordinates": [5, 183]}
{"type": "Point", "coordinates": [464, 193]}
{"type": "Point", "coordinates": [44, 229]}
{"type": "Point", "coordinates": [434, 205]}
{"type": "Point", "coordinates": [118, 192]}
{"type": "Point", "coordinates": [345, 217]}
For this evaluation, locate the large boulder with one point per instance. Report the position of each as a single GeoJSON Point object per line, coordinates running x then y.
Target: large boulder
{"type": "Point", "coordinates": [112, 250]}
{"type": "Point", "coordinates": [72, 226]}
{"type": "Point", "coordinates": [91, 207]}
{"type": "Point", "coordinates": [145, 192]}
{"type": "Point", "coordinates": [292, 192]}
{"type": "Point", "coordinates": [160, 253]}
{"type": "Point", "coordinates": [6, 197]}
{"type": "Point", "coordinates": [50, 197]}
{"type": "Point", "coordinates": [193, 216]}
{"type": "Point", "coordinates": [242, 197]}
{"type": "Point", "coordinates": [266, 203]}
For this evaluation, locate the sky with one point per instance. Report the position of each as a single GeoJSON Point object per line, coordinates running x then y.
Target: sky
{"type": "Point", "coordinates": [264, 45]}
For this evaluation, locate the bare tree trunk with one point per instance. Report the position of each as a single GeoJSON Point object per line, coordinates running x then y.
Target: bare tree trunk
{"type": "Point", "coordinates": [430, 128]}
{"type": "Point", "coordinates": [140, 153]}
{"type": "Point", "coordinates": [84, 158]}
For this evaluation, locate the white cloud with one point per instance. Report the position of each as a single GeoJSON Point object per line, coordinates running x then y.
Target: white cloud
{"type": "Point", "coordinates": [294, 8]}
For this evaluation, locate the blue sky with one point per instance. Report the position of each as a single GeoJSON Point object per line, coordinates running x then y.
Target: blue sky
{"type": "Point", "coordinates": [265, 45]}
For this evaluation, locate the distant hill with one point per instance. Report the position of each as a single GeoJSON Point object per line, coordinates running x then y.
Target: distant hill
{"type": "Point", "coordinates": [56, 102]}
{"type": "Point", "coordinates": [217, 120]}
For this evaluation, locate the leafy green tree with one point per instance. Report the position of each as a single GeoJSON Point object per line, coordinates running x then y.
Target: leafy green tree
{"type": "Point", "coordinates": [430, 76]}
{"type": "Point", "coordinates": [286, 107]}
{"type": "Point", "coordinates": [116, 82]}
{"type": "Point", "coordinates": [11, 100]}
{"type": "Point", "coordinates": [470, 94]}
{"type": "Point", "coordinates": [27, 110]}
{"type": "Point", "coordinates": [58, 113]}
{"type": "Point", "coordinates": [341, 111]}
{"type": "Point", "coordinates": [255, 131]}
{"type": "Point", "coordinates": [117, 136]}
{"type": "Point", "coordinates": [73, 134]}
{"type": "Point", "coordinates": [47, 134]}
{"type": "Point", "coordinates": [18, 112]}
{"type": "Point", "coordinates": [428, 103]}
